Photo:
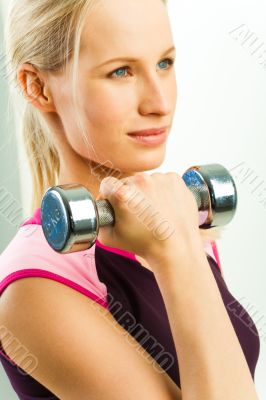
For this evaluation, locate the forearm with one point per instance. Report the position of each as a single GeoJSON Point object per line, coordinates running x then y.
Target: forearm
{"type": "Point", "coordinates": [211, 361]}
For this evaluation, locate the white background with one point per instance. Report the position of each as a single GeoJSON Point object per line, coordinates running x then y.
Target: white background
{"type": "Point", "coordinates": [220, 118]}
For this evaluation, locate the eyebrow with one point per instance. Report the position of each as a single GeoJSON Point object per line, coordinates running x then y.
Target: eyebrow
{"type": "Point", "coordinates": [130, 59]}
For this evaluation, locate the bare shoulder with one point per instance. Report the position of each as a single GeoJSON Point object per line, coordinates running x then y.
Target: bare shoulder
{"type": "Point", "coordinates": [76, 341]}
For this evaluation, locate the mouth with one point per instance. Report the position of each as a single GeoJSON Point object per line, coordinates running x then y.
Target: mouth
{"type": "Point", "coordinates": [149, 137]}
{"type": "Point", "coordinates": [149, 132]}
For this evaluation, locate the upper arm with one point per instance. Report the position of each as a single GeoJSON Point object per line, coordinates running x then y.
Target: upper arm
{"type": "Point", "coordinates": [82, 352]}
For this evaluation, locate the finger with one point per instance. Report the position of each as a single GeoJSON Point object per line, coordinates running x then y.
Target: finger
{"type": "Point", "coordinates": [109, 185]}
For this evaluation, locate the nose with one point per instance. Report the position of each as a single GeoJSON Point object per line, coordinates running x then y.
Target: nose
{"type": "Point", "coordinates": [156, 95]}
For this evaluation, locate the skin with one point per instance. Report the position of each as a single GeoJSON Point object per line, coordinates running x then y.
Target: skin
{"type": "Point", "coordinates": [141, 96]}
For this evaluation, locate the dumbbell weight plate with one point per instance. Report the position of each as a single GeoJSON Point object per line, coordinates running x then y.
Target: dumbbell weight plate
{"type": "Point", "coordinates": [71, 218]}
{"type": "Point", "coordinates": [215, 192]}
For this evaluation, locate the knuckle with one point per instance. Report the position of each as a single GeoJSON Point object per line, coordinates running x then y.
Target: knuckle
{"type": "Point", "coordinates": [117, 186]}
{"type": "Point", "coordinates": [172, 175]}
{"type": "Point", "coordinates": [141, 178]}
{"type": "Point", "coordinates": [176, 179]}
{"type": "Point", "coordinates": [157, 175]}
{"type": "Point", "coordinates": [122, 193]}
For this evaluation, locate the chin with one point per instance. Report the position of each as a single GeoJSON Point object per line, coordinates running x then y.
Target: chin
{"type": "Point", "coordinates": [147, 164]}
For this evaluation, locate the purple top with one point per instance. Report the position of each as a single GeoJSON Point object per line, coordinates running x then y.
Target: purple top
{"type": "Point", "coordinates": [120, 283]}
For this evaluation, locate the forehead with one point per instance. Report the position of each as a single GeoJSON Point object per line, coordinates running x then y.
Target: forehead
{"type": "Point", "coordinates": [130, 27]}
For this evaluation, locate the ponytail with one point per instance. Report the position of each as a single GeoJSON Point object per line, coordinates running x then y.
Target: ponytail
{"type": "Point", "coordinates": [42, 155]}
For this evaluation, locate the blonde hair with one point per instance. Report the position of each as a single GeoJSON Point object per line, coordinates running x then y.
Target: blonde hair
{"type": "Point", "coordinates": [47, 34]}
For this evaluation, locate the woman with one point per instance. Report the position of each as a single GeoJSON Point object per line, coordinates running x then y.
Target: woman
{"type": "Point", "coordinates": [80, 330]}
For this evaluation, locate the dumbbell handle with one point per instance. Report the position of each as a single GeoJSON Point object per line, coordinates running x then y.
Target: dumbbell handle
{"type": "Point", "coordinates": [105, 212]}
{"type": "Point", "coordinates": [206, 200]}
{"type": "Point", "coordinates": [71, 217]}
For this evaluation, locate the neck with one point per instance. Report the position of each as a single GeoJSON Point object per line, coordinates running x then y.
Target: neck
{"type": "Point", "coordinates": [87, 173]}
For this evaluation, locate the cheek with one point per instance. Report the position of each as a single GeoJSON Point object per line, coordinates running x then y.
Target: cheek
{"type": "Point", "coordinates": [110, 104]}
{"type": "Point", "coordinates": [106, 115]}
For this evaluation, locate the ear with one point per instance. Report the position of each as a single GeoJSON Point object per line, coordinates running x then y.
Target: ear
{"type": "Point", "coordinates": [35, 88]}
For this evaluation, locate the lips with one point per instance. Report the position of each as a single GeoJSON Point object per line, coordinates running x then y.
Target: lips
{"type": "Point", "coordinates": [148, 132]}
{"type": "Point", "coordinates": [150, 139]}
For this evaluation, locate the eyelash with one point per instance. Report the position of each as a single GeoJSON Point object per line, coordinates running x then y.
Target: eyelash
{"type": "Point", "coordinates": [171, 61]}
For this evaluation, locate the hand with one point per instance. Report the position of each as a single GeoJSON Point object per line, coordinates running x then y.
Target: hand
{"type": "Point", "coordinates": [152, 212]}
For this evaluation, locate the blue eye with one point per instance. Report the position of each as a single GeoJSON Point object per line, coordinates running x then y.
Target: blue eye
{"type": "Point", "coordinates": [121, 69]}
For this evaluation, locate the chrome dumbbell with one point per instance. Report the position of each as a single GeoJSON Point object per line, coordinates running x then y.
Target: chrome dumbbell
{"type": "Point", "coordinates": [71, 218]}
